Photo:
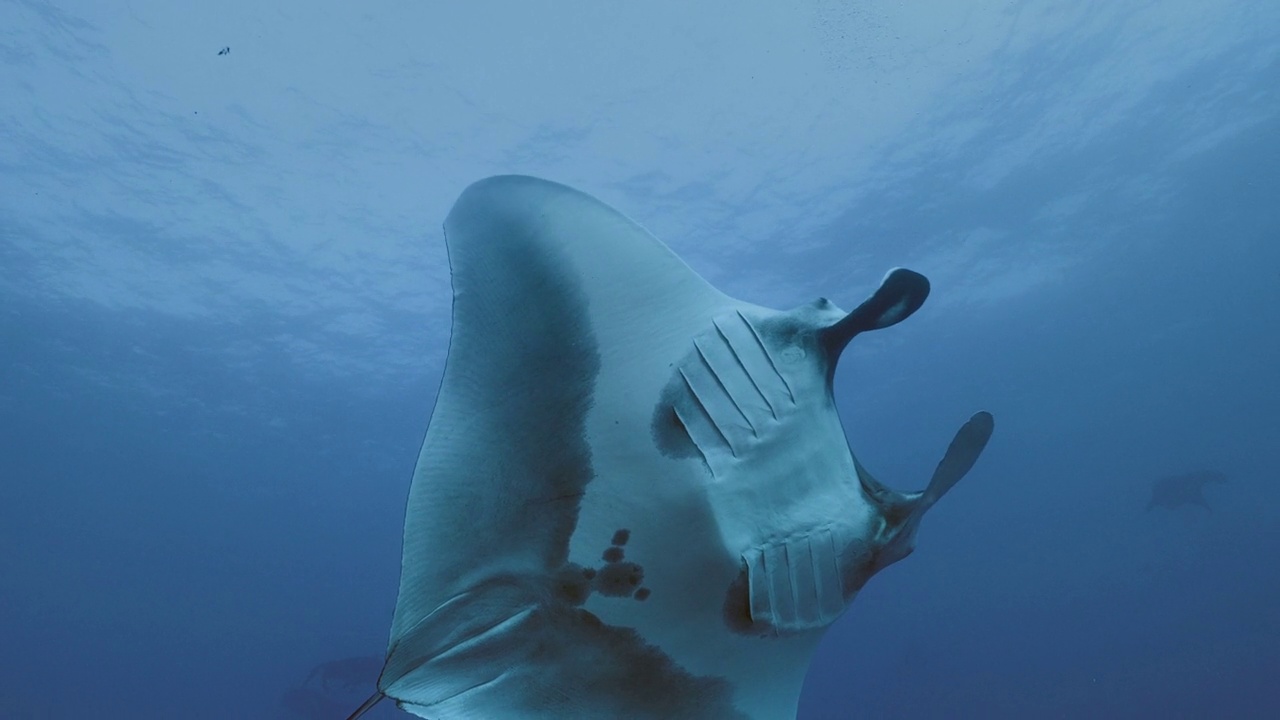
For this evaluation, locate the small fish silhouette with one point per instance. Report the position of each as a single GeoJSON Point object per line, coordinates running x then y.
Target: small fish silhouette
{"type": "Point", "coordinates": [1185, 489]}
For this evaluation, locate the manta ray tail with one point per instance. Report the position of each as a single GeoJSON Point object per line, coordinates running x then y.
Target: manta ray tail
{"type": "Point", "coordinates": [367, 705]}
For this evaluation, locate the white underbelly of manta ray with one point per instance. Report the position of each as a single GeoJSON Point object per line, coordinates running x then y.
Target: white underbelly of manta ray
{"type": "Point", "coordinates": [635, 498]}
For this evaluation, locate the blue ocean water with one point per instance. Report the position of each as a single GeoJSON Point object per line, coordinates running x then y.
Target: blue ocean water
{"type": "Point", "coordinates": [224, 308]}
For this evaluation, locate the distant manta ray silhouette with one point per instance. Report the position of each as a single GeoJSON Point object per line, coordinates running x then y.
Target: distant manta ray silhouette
{"type": "Point", "coordinates": [327, 690]}
{"type": "Point", "coordinates": [1174, 491]}
{"type": "Point", "coordinates": [635, 498]}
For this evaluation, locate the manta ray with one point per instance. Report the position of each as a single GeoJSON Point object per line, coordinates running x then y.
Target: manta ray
{"type": "Point", "coordinates": [328, 688]}
{"type": "Point", "coordinates": [1173, 491]}
{"type": "Point", "coordinates": [635, 498]}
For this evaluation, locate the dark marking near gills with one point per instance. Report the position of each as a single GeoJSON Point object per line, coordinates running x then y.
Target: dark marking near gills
{"type": "Point", "coordinates": [616, 578]}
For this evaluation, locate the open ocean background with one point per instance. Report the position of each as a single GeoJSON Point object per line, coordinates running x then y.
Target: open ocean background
{"type": "Point", "coordinates": [224, 313]}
